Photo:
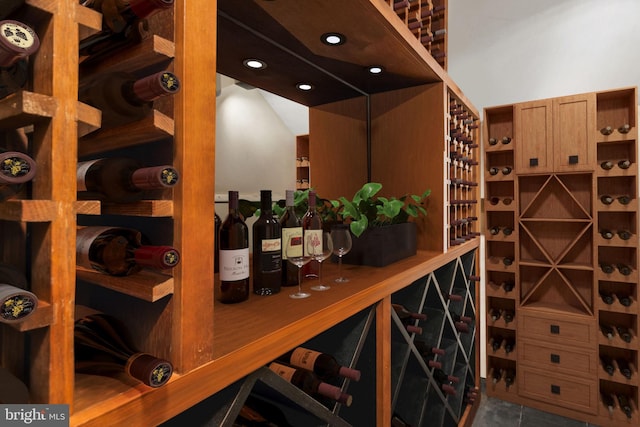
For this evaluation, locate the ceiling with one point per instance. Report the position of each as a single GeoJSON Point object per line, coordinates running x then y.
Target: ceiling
{"type": "Point", "coordinates": [286, 34]}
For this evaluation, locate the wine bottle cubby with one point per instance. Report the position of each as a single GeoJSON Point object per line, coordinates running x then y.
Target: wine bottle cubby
{"type": "Point", "coordinates": [574, 213]}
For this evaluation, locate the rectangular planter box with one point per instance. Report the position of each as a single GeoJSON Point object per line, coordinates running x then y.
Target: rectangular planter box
{"type": "Point", "coordinates": [382, 246]}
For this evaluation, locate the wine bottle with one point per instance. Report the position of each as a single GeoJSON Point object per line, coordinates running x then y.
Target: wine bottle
{"type": "Point", "coordinates": [17, 42]}
{"type": "Point", "coordinates": [607, 400]}
{"type": "Point", "coordinates": [624, 234]}
{"type": "Point", "coordinates": [507, 260]}
{"type": "Point", "coordinates": [121, 251]}
{"type": "Point", "coordinates": [291, 227]}
{"type": "Point", "coordinates": [267, 249]}
{"type": "Point", "coordinates": [122, 179]}
{"type": "Point", "coordinates": [607, 130]}
{"type": "Point", "coordinates": [16, 303]}
{"type": "Point", "coordinates": [123, 98]}
{"type": "Point", "coordinates": [258, 412]}
{"type": "Point", "coordinates": [508, 316]}
{"type": "Point", "coordinates": [496, 343]}
{"type": "Point", "coordinates": [306, 381]}
{"type": "Point", "coordinates": [216, 246]}
{"type": "Point", "coordinates": [506, 170]}
{"type": "Point", "coordinates": [624, 164]}
{"type": "Point", "coordinates": [13, 391]}
{"type": "Point", "coordinates": [624, 333]}
{"type": "Point", "coordinates": [506, 140]}
{"type": "Point", "coordinates": [625, 128]}
{"type": "Point", "coordinates": [606, 268]}
{"type": "Point", "coordinates": [624, 269]}
{"type": "Point", "coordinates": [445, 382]}
{"type": "Point", "coordinates": [122, 26]}
{"type": "Point", "coordinates": [325, 366]}
{"type": "Point", "coordinates": [102, 346]}
{"type": "Point", "coordinates": [509, 377]}
{"type": "Point", "coordinates": [495, 314]}
{"type": "Point", "coordinates": [606, 165]}
{"type": "Point", "coordinates": [508, 285]}
{"type": "Point", "coordinates": [493, 171]}
{"type": "Point", "coordinates": [624, 299]}
{"type": "Point", "coordinates": [496, 375]}
{"type": "Point", "coordinates": [625, 406]}
{"type": "Point", "coordinates": [509, 345]}
{"type": "Point", "coordinates": [624, 368]}
{"type": "Point", "coordinates": [427, 351]}
{"type": "Point", "coordinates": [234, 255]}
{"type": "Point", "coordinates": [624, 199]}
{"type": "Point", "coordinates": [607, 297]}
{"type": "Point", "coordinates": [493, 141]}
{"type": "Point", "coordinates": [606, 199]}
{"type": "Point", "coordinates": [606, 234]}
{"type": "Point", "coordinates": [607, 331]}
{"type": "Point", "coordinates": [507, 231]}
{"type": "Point", "coordinates": [607, 364]}
{"type": "Point", "coordinates": [312, 230]}
{"type": "Point", "coordinates": [408, 318]}
{"type": "Point", "coordinates": [15, 170]}
{"type": "Point", "coordinates": [494, 230]}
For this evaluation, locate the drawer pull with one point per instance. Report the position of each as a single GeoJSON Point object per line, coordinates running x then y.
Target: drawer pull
{"type": "Point", "coordinates": [555, 329]}
{"type": "Point", "coordinates": [555, 358]}
{"type": "Point", "coordinates": [555, 389]}
{"type": "Point", "coordinates": [573, 160]}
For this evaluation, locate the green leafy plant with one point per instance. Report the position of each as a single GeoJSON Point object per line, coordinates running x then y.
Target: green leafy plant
{"type": "Point", "coordinates": [365, 210]}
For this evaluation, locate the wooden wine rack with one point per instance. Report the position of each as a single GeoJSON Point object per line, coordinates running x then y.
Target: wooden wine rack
{"type": "Point", "coordinates": [556, 217]}
{"type": "Point", "coordinates": [175, 315]}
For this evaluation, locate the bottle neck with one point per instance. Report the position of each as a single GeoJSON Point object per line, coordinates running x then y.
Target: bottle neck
{"type": "Point", "coordinates": [158, 257]}
{"type": "Point", "coordinates": [150, 88]}
{"type": "Point", "coordinates": [154, 178]}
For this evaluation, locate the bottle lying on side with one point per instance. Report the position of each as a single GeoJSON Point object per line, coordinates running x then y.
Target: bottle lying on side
{"type": "Point", "coordinates": [16, 303]}
{"type": "Point", "coordinates": [17, 42]}
{"type": "Point", "coordinates": [16, 169]}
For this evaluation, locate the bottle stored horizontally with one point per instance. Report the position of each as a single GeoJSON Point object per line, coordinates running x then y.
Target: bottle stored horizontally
{"type": "Point", "coordinates": [121, 251]}
{"type": "Point", "coordinates": [291, 227]}
{"type": "Point", "coordinates": [124, 24]}
{"type": "Point", "coordinates": [408, 318]}
{"type": "Point", "coordinates": [16, 169]}
{"type": "Point", "coordinates": [124, 99]}
{"type": "Point", "coordinates": [16, 303]}
{"type": "Point", "coordinates": [122, 179]}
{"type": "Point", "coordinates": [17, 42]}
{"type": "Point", "coordinates": [102, 346]}
{"type": "Point", "coordinates": [312, 230]}
{"type": "Point", "coordinates": [306, 381]}
{"type": "Point", "coordinates": [325, 366]}
{"type": "Point", "coordinates": [267, 249]}
{"type": "Point", "coordinates": [234, 255]}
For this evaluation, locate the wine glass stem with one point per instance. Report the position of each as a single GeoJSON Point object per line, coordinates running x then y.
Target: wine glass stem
{"type": "Point", "coordinates": [340, 266]}
{"type": "Point", "coordinates": [299, 279]}
{"type": "Point", "coordinates": [319, 272]}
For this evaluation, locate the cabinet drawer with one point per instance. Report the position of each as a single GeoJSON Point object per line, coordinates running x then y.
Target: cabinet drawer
{"type": "Point", "coordinates": [571, 392]}
{"type": "Point", "coordinates": [557, 358]}
{"type": "Point", "coordinates": [558, 328]}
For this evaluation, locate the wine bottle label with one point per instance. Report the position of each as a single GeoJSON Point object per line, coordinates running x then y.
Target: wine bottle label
{"type": "Point", "coordinates": [18, 34]}
{"type": "Point", "coordinates": [291, 237]}
{"type": "Point", "coordinates": [270, 258]}
{"type": "Point", "coordinates": [15, 303]}
{"type": "Point", "coordinates": [234, 264]}
{"type": "Point", "coordinates": [312, 239]}
{"type": "Point", "coordinates": [304, 358]}
{"type": "Point", "coordinates": [81, 173]}
{"type": "Point", "coordinates": [85, 237]}
{"type": "Point", "coordinates": [283, 371]}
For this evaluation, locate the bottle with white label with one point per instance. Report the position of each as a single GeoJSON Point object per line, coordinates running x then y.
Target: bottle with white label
{"type": "Point", "coordinates": [234, 255]}
{"type": "Point", "coordinates": [312, 228]}
{"type": "Point", "coordinates": [267, 249]}
{"type": "Point", "coordinates": [291, 227]}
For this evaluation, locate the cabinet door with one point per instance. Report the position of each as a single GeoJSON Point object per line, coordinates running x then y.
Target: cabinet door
{"type": "Point", "coordinates": [533, 137]}
{"type": "Point", "coordinates": [573, 133]}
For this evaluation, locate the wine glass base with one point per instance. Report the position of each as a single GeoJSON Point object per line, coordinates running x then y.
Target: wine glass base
{"type": "Point", "coordinates": [341, 280]}
{"type": "Point", "coordinates": [320, 287]}
{"type": "Point", "coordinates": [299, 295]}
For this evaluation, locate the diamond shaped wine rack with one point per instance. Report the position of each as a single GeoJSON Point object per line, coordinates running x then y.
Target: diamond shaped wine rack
{"type": "Point", "coordinates": [555, 242]}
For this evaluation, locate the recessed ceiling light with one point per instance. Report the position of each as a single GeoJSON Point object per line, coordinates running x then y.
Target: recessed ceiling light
{"type": "Point", "coordinates": [376, 69]}
{"type": "Point", "coordinates": [256, 64]}
{"type": "Point", "coordinates": [304, 86]}
{"type": "Point", "coordinates": [333, 39]}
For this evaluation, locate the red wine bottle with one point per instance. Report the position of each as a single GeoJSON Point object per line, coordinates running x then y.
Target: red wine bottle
{"type": "Point", "coordinates": [216, 245]}
{"type": "Point", "coordinates": [624, 234]}
{"type": "Point", "coordinates": [16, 303]}
{"type": "Point", "coordinates": [624, 164]}
{"type": "Point", "coordinates": [508, 316]}
{"type": "Point", "coordinates": [13, 391]}
{"type": "Point", "coordinates": [496, 343]}
{"type": "Point", "coordinates": [121, 251]}
{"type": "Point", "coordinates": [607, 130]}
{"type": "Point", "coordinates": [606, 268]}
{"type": "Point", "coordinates": [123, 98]}
{"type": "Point", "coordinates": [624, 333]}
{"type": "Point", "coordinates": [495, 314]}
{"type": "Point", "coordinates": [508, 285]}
{"type": "Point", "coordinates": [607, 400]}
{"type": "Point", "coordinates": [606, 165]}
{"type": "Point", "coordinates": [607, 364]}
{"type": "Point", "coordinates": [607, 331]}
{"type": "Point", "coordinates": [509, 345]}
{"type": "Point", "coordinates": [606, 234]}
{"type": "Point", "coordinates": [624, 269]}
{"type": "Point", "coordinates": [625, 406]}
{"type": "Point", "coordinates": [325, 366]}
{"type": "Point", "coordinates": [267, 249]}
{"type": "Point", "coordinates": [624, 299]}
{"type": "Point", "coordinates": [606, 199]}
{"type": "Point", "coordinates": [496, 375]}
{"type": "Point", "coordinates": [15, 170]}
{"type": "Point", "coordinates": [625, 128]}
{"type": "Point", "coordinates": [408, 318]}
{"type": "Point", "coordinates": [306, 381]}
{"type": "Point", "coordinates": [291, 227]}
{"type": "Point", "coordinates": [17, 42]}
{"type": "Point", "coordinates": [123, 26]}
{"type": "Point", "coordinates": [607, 297]}
{"type": "Point", "coordinates": [506, 170]}
{"type": "Point", "coordinates": [102, 346]}
{"type": "Point", "coordinates": [509, 377]}
{"type": "Point", "coordinates": [312, 229]}
{"type": "Point", "coordinates": [427, 351]}
{"type": "Point", "coordinates": [234, 255]}
{"type": "Point", "coordinates": [122, 179]}
{"type": "Point", "coordinates": [624, 368]}
{"type": "Point", "coordinates": [445, 382]}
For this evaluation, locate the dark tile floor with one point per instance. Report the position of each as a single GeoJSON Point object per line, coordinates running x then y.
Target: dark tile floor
{"type": "Point", "coordinates": [498, 413]}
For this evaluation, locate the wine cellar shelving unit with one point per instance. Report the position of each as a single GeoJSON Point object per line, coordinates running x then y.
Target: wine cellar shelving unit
{"type": "Point", "coordinates": [175, 315]}
{"type": "Point", "coordinates": [428, 21]}
{"type": "Point", "coordinates": [549, 273]}
{"type": "Point", "coordinates": [303, 163]}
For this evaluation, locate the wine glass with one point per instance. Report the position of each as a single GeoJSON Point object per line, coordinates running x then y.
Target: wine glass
{"type": "Point", "coordinates": [320, 251]}
{"type": "Point", "coordinates": [341, 245]}
{"type": "Point", "coordinates": [297, 257]}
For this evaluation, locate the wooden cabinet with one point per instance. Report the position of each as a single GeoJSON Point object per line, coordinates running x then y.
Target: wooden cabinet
{"type": "Point", "coordinates": [303, 163]}
{"type": "Point", "coordinates": [555, 135]}
{"type": "Point", "coordinates": [575, 187]}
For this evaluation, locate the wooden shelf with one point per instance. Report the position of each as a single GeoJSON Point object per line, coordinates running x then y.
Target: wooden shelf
{"type": "Point", "coordinates": [146, 284]}
{"type": "Point", "coordinates": [28, 210]}
{"type": "Point", "coordinates": [24, 108]}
